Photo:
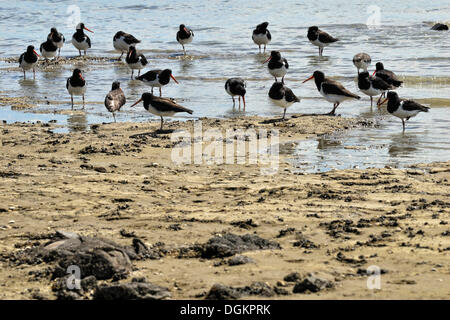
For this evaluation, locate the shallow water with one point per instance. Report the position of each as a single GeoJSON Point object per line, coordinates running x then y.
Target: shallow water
{"type": "Point", "coordinates": [223, 48]}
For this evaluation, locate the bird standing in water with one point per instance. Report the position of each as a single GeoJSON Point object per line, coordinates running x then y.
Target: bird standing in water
{"type": "Point", "coordinates": [261, 36]}
{"type": "Point", "coordinates": [28, 60]}
{"type": "Point", "coordinates": [80, 40]}
{"type": "Point", "coordinates": [57, 38]}
{"type": "Point", "coordinates": [320, 38]}
{"type": "Point", "coordinates": [161, 106]}
{"type": "Point", "coordinates": [184, 36]}
{"type": "Point", "coordinates": [115, 99]}
{"type": "Point", "coordinates": [76, 85]}
{"type": "Point", "coordinates": [135, 60]}
{"type": "Point", "coordinates": [278, 66]}
{"type": "Point", "coordinates": [403, 109]}
{"type": "Point", "coordinates": [236, 87]}
{"type": "Point", "coordinates": [282, 96]}
{"type": "Point", "coordinates": [331, 90]}
{"type": "Point", "coordinates": [122, 42]}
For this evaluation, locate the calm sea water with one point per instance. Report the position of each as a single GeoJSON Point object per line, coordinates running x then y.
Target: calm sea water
{"type": "Point", "coordinates": [397, 33]}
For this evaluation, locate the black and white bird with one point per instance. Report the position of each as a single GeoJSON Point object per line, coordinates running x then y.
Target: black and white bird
{"type": "Point", "coordinates": [76, 85]}
{"type": "Point", "coordinates": [48, 49]}
{"type": "Point", "coordinates": [80, 40]}
{"type": "Point", "coordinates": [115, 99]}
{"type": "Point", "coordinates": [157, 78]}
{"type": "Point", "coordinates": [403, 109]}
{"type": "Point", "coordinates": [278, 66]}
{"type": "Point", "coordinates": [57, 38]}
{"type": "Point", "coordinates": [184, 36]}
{"type": "Point", "coordinates": [387, 75]}
{"type": "Point", "coordinates": [362, 61]}
{"type": "Point", "coordinates": [162, 107]}
{"type": "Point", "coordinates": [320, 38]}
{"type": "Point", "coordinates": [135, 61]}
{"type": "Point", "coordinates": [261, 36]}
{"type": "Point", "coordinates": [236, 87]}
{"type": "Point", "coordinates": [122, 42]}
{"type": "Point", "coordinates": [282, 96]}
{"type": "Point", "coordinates": [28, 60]}
{"type": "Point", "coordinates": [372, 86]}
{"type": "Point", "coordinates": [331, 90]}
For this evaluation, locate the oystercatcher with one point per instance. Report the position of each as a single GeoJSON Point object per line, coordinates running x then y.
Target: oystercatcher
{"type": "Point", "coordinates": [48, 49]}
{"type": "Point", "coordinates": [57, 38]}
{"type": "Point", "coordinates": [282, 96]}
{"type": "Point", "coordinates": [28, 60]}
{"type": "Point", "coordinates": [76, 85]}
{"type": "Point", "coordinates": [184, 36]}
{"type": "Point", "coordinates": [439, 27]}
{"type": "Point", "coordinates": [387, 75]}
{"type": "Point", "coordinates": [278, 66]}
{"type": "Point", "coordinates": [236, 87]}
{"type": "Point", "coordinates": [161, 106]}
{"type": "Point", "coordinates": [403, 109]}
{"type": "Point", "coordinates": [320, 38]}
{"type": "Point", "coordinates": [122, 42]}
{"type": "Point", "coordinates": [135, 60]}
{"type": "Point", "coordinates": [331, 90]}
{"type": "Point", "coordinates": [80, 40]}
{"type": "Point", "coordinates": [261, 35]}
{"type": "Point", "coordinates": [372, 86]}
{"type": "Point", "coordinates": [157, 78]}
{"type": "Point", "coordinates": [115, 99]}
{"type": "Point", "coordinates": [362, 61]}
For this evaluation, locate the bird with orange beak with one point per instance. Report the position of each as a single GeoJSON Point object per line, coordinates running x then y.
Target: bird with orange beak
{"type": "Point", "coordinates": [278, 66]}
{"type": "Point", "coordinates": [80, 40]}
{"type": "Point", "coordinates": [28, 60]}
{"type": "Point", "coordinates": [403, 109]}
{"type": "Point", "coordinates": [162, 107]}
{"type": "Point", "coordinates": [331, 90]}
{"type": "Point", "coordinates": [76, 85]}
{"type": "Point", "coordinates": [135, 60]}
{"type": "Point", "coordinates": [184, 36]}
{"type": "Point", "coordinates": [157, 78]}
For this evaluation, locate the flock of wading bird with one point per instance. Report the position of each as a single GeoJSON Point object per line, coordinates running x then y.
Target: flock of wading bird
{"type": "Point", "coordinates": [382, 81]}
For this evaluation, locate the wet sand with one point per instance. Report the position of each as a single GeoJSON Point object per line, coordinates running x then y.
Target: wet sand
{"type": "Point", "coordinates": [118, 180]}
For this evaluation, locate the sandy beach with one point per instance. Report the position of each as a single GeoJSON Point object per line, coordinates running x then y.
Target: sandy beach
{"type": "Point", "coordinates": [117, 182]}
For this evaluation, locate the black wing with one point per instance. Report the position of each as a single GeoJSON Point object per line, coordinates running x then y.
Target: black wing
{"type": "Point", "coordinates": [21, 57]}
{"type": "Point", "coordinates": [165, 104]}
{"type": "Point", "coordinates": [88, 41]}
{"type": "Point", "coordinates": [290, 96]}
{"type": "Point", "coordinates": [130, 39]}
{"type": "Point", "coordinates": [150, 75]}
{"type": "Point", "coordinates": [286, 64]}
{"type": "Point", "coordinates": [269, 36]}
{"type": "Point", "coordinates": [326, 38]}
{"type": "Point", "coordinates": [334, 87]}
{"type": "Point", "coordinates": [379, 83]}
{"type": "Point", "coordinates": [143, 59]}
{"type": "Point", "coordinates": [67, 83]}
{"type": "Point", "coordinates": [410, 105]}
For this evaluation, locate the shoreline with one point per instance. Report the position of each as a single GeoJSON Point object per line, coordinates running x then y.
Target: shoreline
{"type": "Point", "coordinates": [118, 179]}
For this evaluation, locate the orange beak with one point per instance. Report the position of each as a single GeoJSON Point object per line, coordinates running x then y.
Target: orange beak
{"type": "Point", "coordinates": [310, 78]}
{"type": "Point", "coordinates": [81, 76]}
{"type": "Point", "coordinates": [129, 54]}
{"type": "Point", "coordinates": [267, 59]}
{"type": "Point", "coordinates": [88, 30]}
{"type": "Point", "coordinates": [243, 99]}
{"type": "Point", "coordinates": [174, 79]}
{"type": "Point", "coordinates": [186, 30]}
{"type": "Point", "coordinates": [382, 102]}
{"type": "Point", "coordinates": [374, 73]}
{"type": "Point", "coordinates": [36, 53]}
{"type": "Point", "coordinates": [140, 100]}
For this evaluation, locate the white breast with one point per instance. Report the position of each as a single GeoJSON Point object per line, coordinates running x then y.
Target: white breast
{"type": "Point", "coordinates": [186, 41]}
{"type": "Point", "coordinates": [77, 91]}
{"type": "Point", "coordinates": [278, 73]}
{"type": "Point", "coordinates": [80, 45]}
{"type": "Point", "coordinates": [260, 39]}
{"type": "Point", "coordinates": [27, 66]}
{"type": "Point", "coordinates": [403, 114]}
{"type": "Point", "coordinates": [48, 54]}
